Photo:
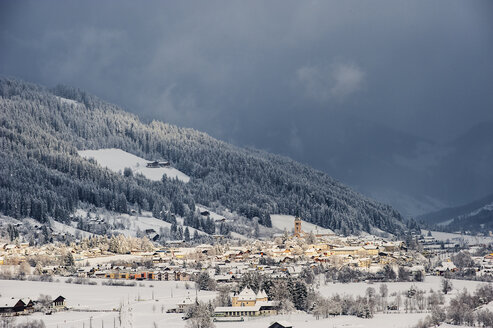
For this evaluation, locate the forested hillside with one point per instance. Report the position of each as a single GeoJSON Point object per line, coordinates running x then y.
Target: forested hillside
{"type": "Point", "coordinates": [475, 217]}
{"type": "Point", "coordinates": [42, 176]}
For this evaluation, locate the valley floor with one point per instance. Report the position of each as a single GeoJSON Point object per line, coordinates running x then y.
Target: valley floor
{"type": "Point", "coordinates": [145, 305]}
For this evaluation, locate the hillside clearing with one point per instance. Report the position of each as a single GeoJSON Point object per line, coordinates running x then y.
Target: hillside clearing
{"type": "Point", "coordinates": [117, 160]}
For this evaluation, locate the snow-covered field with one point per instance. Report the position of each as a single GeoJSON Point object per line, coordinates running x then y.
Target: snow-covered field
{"type": "Point", "coordinates": [67, 229]}
{"type": "Point", "coordinates": [55, 225]}
{"type": "Point", "coordinates": [286, 222]}
{"type": "Point", "coordinates": [149, 302]}
{"type": "Point", "coordinates": [389, 320]}
{"type": "Point", "coordinates": [146, 221]}
{"type": "Point", "coordinates": [215, 216]}
{"type": "Point", "coordinates": [431, 282]}
{"type": "Point", "coordinates": [117, 160]}
{"type": "Point", "coordinates": [67, 101]}
{"type": "Point", "coordinates": [302, 320]}
{"type": "Point", "coordinates": [132, 223]}
{"type": "Point", "coordinates": [455, 237]}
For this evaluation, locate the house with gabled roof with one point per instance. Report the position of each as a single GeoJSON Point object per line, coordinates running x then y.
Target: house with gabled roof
{"type": "Point", "coordinates": [13, 306]}
{"type": "Point", "coordinates": [248, 303]}
{"type": "Point", "coordinates": [58, 303]}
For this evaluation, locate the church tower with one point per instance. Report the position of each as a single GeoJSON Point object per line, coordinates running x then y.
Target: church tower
{"type": "Point", "coordinates": [297, 227]}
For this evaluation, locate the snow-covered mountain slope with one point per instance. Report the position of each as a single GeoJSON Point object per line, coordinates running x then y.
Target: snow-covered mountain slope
{"type": "Point", "coordinates": [213, 215]}
{"type": "Point", "coordinates": [138, 223]}
{"type": "Point", "coordinates": [67, 229]}
{"type": "Point", "coordinates": [286, 223]}
{"type": "Point", "coordinates": [485, 208]}
{"type": "Point", "coordinates": [117, 160]}
{"type": "Point", "coordinates": [479, 220]}
{"type": "Point", "coordinates": [476, 216]}
{"type": "Point", "coordinates": [32, 227]}
{"type": "Point", "coordinates": [45, 177]}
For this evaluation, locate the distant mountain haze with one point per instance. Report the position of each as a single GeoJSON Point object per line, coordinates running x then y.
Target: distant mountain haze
{"type": "Point", "coordinates": [414, 174]}
{"type": "Point", "coordinates": [476, 217]}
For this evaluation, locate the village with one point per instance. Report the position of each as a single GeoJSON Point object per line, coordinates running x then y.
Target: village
{"type": "Point", "coordinates": [292, 256]}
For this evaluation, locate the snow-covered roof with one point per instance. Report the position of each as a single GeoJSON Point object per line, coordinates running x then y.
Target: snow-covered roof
{"type": "Point", "coordinates": [446, 266]}
{"type": "Point", "coordinates": [283, 323]}
{"type": "Point", "coordinates": [347, 248]}
{"type": "Point", "coordinates": [9, 302]}
{"type": "Point", "coordinates": [261, 294]}
{"type": "Point", "coordinates": [247, 295]}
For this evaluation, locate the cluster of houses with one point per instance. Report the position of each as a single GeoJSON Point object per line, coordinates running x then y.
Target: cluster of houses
{"type": "Point", "coordinates": [482, 266]}
{"type": "Point", "coordinates": [15, 307]}
{"type": "Point", "coordinates": [170, 273]}
{"type": "Point", "coordinates": [228, 264]}
{"type": "Point", "coordinates": [280, 257]}
{"type": "Point", "coordinates": [15, 253]}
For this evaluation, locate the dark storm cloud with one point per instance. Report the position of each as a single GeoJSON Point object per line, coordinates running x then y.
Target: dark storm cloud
{"type": "Point", "coordinates": [210, 64]}
{"type": "Point", "coordinates": [265, 73]}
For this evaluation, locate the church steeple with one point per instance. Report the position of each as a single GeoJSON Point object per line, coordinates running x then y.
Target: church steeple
{"type": "Point", "coordinates": [297, 227]}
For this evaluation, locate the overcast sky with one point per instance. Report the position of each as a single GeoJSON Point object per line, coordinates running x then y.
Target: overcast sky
{"type": "Point", "coordinates": [246, 70]}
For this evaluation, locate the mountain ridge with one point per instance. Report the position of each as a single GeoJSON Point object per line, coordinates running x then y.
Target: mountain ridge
{"type": "Point", "coordinates": [41, 134]}
{"type": "Point", "coordinates": [475, 216]}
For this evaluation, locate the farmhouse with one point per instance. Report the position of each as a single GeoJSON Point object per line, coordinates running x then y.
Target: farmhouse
{"type": "Point", "coordinates": [183, 306]}
{"type": "Point", "coordinates": [59, 303]}
{"type": "Point", "coordinates": [16, 307]}
{"type": "Point", "coordinates": [446, 266]}
{"type": "Point", "coordinates": [156, 164]}
{"type": "Point", "coordinates": [12, 307]}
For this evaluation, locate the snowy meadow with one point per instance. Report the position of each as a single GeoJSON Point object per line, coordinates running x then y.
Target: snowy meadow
{"type": "Point", "coordinates": [145, 304]}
